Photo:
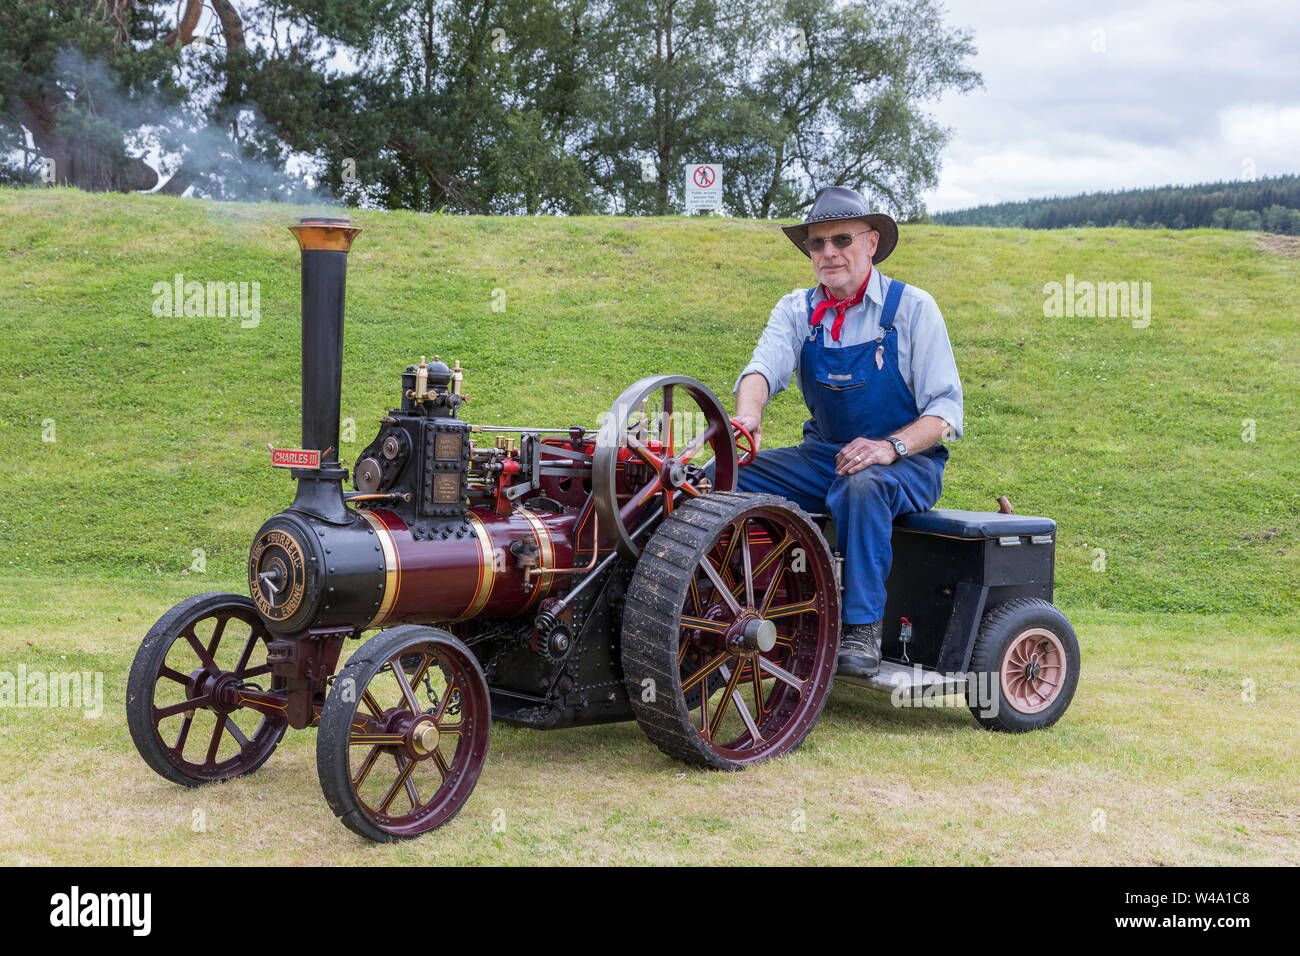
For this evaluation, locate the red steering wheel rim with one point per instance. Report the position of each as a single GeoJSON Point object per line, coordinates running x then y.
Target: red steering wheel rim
{"type": "Point", "coordinates": [744, 454]}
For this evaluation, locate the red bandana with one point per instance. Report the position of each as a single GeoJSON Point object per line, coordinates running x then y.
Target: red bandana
{"type": "Point", "coordinates": [820, 309]}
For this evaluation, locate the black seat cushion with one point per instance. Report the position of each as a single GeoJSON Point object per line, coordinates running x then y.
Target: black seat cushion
{"type": "Point", "coordinates": [973, 524]}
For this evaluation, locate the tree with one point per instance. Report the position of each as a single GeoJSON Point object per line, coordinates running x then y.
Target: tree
{"type": "Point", "coordinates": [843, 98]}
{"type": "Point", "coordinates": [1245, 219]}
{"type": "Point", "coordinates": [78, 78]}
{"type": "Point", "coordinates": [488, 106]}
{"type": "Point", "coordinates": [463, 105]}
{"type": "Point", "coordinates": [664, 68]}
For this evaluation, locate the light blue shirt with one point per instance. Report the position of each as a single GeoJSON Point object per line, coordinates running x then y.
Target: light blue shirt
{"type": "Point", "coordinates": [925, 356]}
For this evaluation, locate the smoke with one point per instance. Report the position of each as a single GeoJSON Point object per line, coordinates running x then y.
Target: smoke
{"type": "Point", "coordinates": [233, 156]}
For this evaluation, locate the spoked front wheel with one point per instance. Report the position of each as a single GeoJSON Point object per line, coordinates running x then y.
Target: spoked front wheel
{"type": "Point", "coordinates": [404, 733]}
{"type": "Point", "coordinates": [184, 705]}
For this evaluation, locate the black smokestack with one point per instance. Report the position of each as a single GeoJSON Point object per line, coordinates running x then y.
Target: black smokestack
{"type": "Point", "coordinates": [324, 244]}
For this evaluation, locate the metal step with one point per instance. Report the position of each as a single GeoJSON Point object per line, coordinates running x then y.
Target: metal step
{"type": "Point", "coordinates": [914, 680]}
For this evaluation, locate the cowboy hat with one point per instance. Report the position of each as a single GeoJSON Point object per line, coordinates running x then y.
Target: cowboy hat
{"type": "Point", "coordinates": [841, 202]}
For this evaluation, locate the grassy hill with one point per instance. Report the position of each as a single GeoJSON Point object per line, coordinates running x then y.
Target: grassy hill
{"type": "Point", "coordinates": [1180, 746]}
{"type": "Point", "coordinates": [1130, 437]}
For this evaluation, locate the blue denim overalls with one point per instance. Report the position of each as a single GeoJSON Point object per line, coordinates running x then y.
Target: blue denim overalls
{"type": "Point", "coordinates": [851, 392]}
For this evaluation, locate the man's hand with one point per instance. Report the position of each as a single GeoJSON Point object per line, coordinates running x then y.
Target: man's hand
{"type": "Point", "coordinates": [754, 425]}
{"type": "Point", "coordinates": [862, 453]}
{"type": "Point", "coordinates": [750, 399]}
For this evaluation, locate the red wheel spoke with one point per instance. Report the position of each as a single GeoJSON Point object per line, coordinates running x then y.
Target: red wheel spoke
{"type": "Point", "coordinates": [411, 793]}
{"type": "Point", "coordinates": [704, 672]}
{"type": "Point", "coordinates": [171, 710]}
{"type": "Point", "coordinates": [404, 685]}
{"type": "Point", "coordinates": [257, 671]}
{"type": "Point", "coordinates": [747, 563]}
{"type": "Point", "coordinates": [233, 729]}
{"type": "Point", "coordinates": [702, 624]}
{"type": "Point", "coordinates": [247, 655]}
{"type": "Point", "coordinates": [368, 699]}
{"type": "Point", "coordinates": [205, 658]}
{"type": "Point", "coordinates": [719, 585]}
{"type": "Point", "coordinates": [667, 415]}
{"type": "Point", "coordinates": [695, 597]}
{"type": "Point", "coordinates": [780, 673]}
{"type": "Point", "coordinates": [728, 696]}
{"type": "Point", "coordinates": [690, 450]}
{"type": "Point", "coordinates": [644, 453]}
{"type": "Point", "coordinates": [768, 560]}
{"type": "Point", "coordinates": [629, 510]}
{"type": "Point", "coordinates": [363, 724]}
{"type": "Point", "coordinates": [216, 637]}
{"type": "Point", "coordinates": [758, 690]}
{"type": "Point", "coordinates": [771, 590]}
{"type": "Point", "coordinates": [376, 740]}
{"type": "Point", "coordinates": [724, 566]}
{"type": "Point", "coordinates": [213, 744]}
{"type": "Point", "coordinates": [746, 717]}
{"type": "Point", "coordinates": [441, 763]}
{"type": "Point", "coordinates": [186, 724]}
{"type": "Point", "coordinates": [397, 785]}
{"type": "Point", "coordinates": [366, 766]}
{"type": "Point", "coordinates": [170, 674]}
{"type": "Point", "coordinates": [789, 610]}
{"type": "Point", "coordinates": [420, 671]}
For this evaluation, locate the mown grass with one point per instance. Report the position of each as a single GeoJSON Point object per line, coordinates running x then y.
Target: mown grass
{"type": "Point", "coordinates": [1178, 749]}
{"type": "Point", "coordinates": [1130, 438]}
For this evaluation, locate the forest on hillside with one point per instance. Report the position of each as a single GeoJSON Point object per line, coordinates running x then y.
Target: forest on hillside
{"type": "Point", "coordinates": [1267, 205]}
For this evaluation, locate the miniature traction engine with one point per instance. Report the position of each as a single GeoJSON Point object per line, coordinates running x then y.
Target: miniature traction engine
{"type": "Point", "coordinates": [544, 576]}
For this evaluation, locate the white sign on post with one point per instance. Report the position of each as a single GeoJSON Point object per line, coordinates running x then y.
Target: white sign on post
{"type": "Point", "coordinates": [703, 187]}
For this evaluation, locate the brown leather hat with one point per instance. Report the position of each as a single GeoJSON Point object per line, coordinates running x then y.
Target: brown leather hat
{"type": "Point", "coordinates": [841, 202]}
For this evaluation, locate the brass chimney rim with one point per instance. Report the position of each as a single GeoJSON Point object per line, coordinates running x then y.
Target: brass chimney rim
{"type": "Point", "coordinates": [322, 233]}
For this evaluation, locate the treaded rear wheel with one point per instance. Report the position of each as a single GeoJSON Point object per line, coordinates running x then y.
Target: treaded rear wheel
{"type": "Point", "coordinates": [730, 630]}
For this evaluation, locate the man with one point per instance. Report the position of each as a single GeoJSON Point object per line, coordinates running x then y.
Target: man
{"type": "Point", "coordinates": [877, 372]}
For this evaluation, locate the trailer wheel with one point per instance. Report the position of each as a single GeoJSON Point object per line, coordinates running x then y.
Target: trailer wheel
{"type": "Point", "coordinates": [403, 733]}
{"type": "Point", "coordinates": [1024, 667]}
{"type": "Point", "coordinates": [730, 630]}
{"type": "Point", "coordinates": [183, 706]}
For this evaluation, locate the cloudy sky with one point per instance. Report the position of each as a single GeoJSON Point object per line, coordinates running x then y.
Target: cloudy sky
{"type": "Point", "coordinates": [1104, 95]}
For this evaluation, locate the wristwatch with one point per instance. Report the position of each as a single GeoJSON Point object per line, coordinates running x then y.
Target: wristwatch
{"type": "Point", "coordinates": [900, 446]}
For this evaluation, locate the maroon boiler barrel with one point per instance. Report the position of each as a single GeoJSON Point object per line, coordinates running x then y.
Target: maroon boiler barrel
{"type": "Point", "coordinates": [471, 572]}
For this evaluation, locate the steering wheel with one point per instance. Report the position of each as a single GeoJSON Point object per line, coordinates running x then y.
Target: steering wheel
{"type": "Point", "coordinates": [745, 452]}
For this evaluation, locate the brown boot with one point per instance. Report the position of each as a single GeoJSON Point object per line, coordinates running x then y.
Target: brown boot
{"type": "Point", "coordinates": [859, 654]}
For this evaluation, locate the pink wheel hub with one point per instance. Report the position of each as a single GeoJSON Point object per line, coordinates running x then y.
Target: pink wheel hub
{"type": "Point", "coordinates": [1033, 670]}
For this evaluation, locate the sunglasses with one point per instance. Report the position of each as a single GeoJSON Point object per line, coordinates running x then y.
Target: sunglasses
{"type": "Point", "coordinates": [841, 241]}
